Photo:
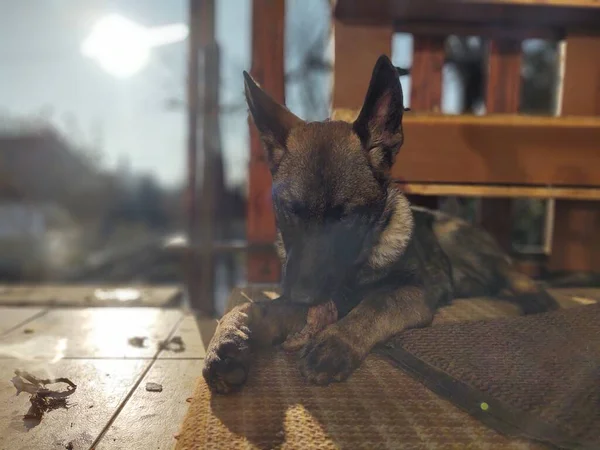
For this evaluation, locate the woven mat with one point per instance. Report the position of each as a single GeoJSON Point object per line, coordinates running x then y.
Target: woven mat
{"type": "Point", "coordinates": [379, 407]}
{"type": "Point", "coordinates": [536, 376]}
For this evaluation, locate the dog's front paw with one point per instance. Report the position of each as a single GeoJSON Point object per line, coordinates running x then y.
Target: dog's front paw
{"type": "Point", "coordinates": [227, 361]}
{"type": "Point", "coordinates": [329, 357]}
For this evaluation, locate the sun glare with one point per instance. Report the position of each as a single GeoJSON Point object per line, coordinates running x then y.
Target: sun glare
{"type": "Point", "coordinates": [122, 47]}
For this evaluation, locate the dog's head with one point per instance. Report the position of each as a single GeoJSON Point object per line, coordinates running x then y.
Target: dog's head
{"type": "Point", "coordinates": [330, 182]}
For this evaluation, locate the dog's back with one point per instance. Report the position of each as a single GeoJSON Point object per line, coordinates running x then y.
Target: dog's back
{"type": "Point", "coordinates": [478, 266]}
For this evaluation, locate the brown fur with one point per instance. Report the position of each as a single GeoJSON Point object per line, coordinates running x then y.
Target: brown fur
{"type": "Point", "coordinates": [346, 234]}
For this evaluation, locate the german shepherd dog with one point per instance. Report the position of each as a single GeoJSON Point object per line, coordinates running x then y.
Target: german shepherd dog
{"type": "Point", "coordinates": [347, 235]}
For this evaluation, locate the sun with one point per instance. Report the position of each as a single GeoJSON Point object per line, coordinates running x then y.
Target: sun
{"type": "Point", "coordinates": [122, 47]}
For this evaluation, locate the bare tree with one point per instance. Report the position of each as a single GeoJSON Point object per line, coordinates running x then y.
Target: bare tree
{"type": "Point", "coordinates": [309, 66]}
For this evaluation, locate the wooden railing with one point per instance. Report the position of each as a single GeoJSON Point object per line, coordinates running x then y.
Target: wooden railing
{"type": "Point", "coordinates": [497, 157]}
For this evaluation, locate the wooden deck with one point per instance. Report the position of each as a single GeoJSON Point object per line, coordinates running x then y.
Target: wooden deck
{"type": "Point", "coordinates": [93, 347]}
{"type": "Point", "coordinates": [70, 295]}
{"type": "Point", "coordinates": [111, 408]}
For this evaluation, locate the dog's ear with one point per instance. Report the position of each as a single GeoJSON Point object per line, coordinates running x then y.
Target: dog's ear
{"type": "Point", "coordinates": [379, 124]}
{"type": "Point", "coordinates": [274, 121]}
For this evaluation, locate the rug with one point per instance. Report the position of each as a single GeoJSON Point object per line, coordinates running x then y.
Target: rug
{"type": "Point", "coordinates": [536, 377]}
{"type": "Point", "coordinates": [379, 407]}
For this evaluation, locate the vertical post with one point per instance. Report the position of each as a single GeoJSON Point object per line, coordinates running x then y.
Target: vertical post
{"type": "Point", "coordinates": [268, 20]}
{"type": "Point", "coordinates": [426, 92]}
{"type": "Point", "coordinates": [357, 48]}
{"type": "Point", "coordinates": [202, 101]}
{"type": "Point", "coordinates": [192, 151]}
{"type": "Point", "coordinates": [502, 96]}
{"type": "Point", "coordinates": [576, 242]}
{"type": "Point", "coordinates": [426, 73]}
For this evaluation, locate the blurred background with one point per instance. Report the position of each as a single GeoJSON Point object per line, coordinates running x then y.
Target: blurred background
{"type": "Point", "coordinates": [95, 132]}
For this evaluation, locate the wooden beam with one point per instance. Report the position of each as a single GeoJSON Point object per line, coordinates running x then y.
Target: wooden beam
{"type": "Point", "coordinates": [504, 77]}
{"type": "Point", "coordinates": [426, 73]}
{"type": "Point", "coordinates": [426, 87]}
{"type": "Point", "coordinates": [581, 86]}
{"type": "Point", "coordinates": [502, 96]}
{"type": "Point", "coordinates": [559, 14]}
{"type": "Point", "coordinates": [490, 153]}
{"type": "Point", "coordinates": [491, 191]}
{"type": "Point", "coordinates": [498, 149]}
{"type": "Point", "coordinates": [554, 3]}
{"type": "Point", "coordinates": [576, 242]}
{"type": "Point", "coordinates": [268, 18]}
{"type": "Point", "coordinates": [356, 51]}
{"type": "Point", "coordinates": [202, 98]}
{"type": "Point", "coordinates": [440, 28]}
{"type": "Point", "coordinates": [517, 121]}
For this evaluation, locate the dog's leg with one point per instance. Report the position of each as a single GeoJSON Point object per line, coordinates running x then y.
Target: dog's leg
{"type": "Point", "coordinates": [526, 293]}
{"type": "Point", "coordinates": [242, 330]}
{"type": "Point", "coordinates": [338, 350]}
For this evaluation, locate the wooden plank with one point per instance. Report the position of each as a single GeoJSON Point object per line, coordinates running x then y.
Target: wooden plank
{"type": "Point", "coordinates": [504, 77]}
{"type": "Point", "coordinates": [581, 85]}
{"type": "Point", "coordinates": [191, 269]}
{"type": "Point", "coordinates": [525, 123]}
{"type": "Point", "coordinates": [426, 73]}
{"type": "Point", "coordinates": [498, 149]}
{"type": "Point", "coordinates": [555, 3]}
{"type": "Point", "coordinates": [94, 332]}
{"type": "Point", "coordinates": [579, 14]}
{"type": "Point", "coordinates": [89, 295]}
{"type": "Point", "coordinates": [151, 420]}
{"type": "Point", "coordinates": [502, 96]}
{"type": "Point", "coordinates": [268, 19]}
{"type": "Point", "coordinates": [195, 334]}
{"type": "Point", "coordinates": [14, 317]}
{"type": "Point", "coordinates": [203, 299]}
{"type": "Point", "coordinates": [575, 244]}
{"type": "Point", "coordinates": [101, 387]}
{"type": "Point", "coordinates": [465, 190]}
{"type": "Point", "coordinates": [356, 51]}
{"type": "Point", "coordinates": [439, 28]}
{"type": "Point", "coordinates": [426, 87]}
{"type": "Point", "coordinates": [575, 240]}
{"type": "Point", "coordinates": [580, 296]}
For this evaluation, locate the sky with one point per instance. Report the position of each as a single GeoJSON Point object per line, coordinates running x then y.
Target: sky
{"type": "Point", "coordinates": [44, 74]}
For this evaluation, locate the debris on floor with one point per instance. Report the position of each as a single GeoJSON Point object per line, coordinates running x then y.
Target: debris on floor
{"type": "Point", "coordinates": [28, 331]}
{"type": "Point", "coordinates": [154, 387]}
{"type": "Point", "coordinates": [42, 399]}
{"type": "Point", "coordinates": [175, 344]}
{"type": "Point", "coordinates": [137, 341]}
{"type": "Point", "coordinates": [271, 295]}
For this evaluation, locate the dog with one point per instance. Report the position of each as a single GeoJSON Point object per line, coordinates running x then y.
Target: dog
{"type": "Point", "coordinates": [346, 234]}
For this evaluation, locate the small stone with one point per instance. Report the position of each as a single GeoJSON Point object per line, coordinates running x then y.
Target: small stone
{"type": "Point", "coordinates": [28, 331]}
{"type": "Point", "coordinates": [154, 387]}
{"type": "Point", "coordinates": [137, 341]}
